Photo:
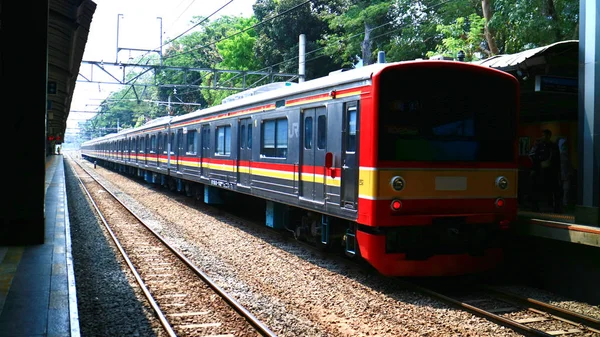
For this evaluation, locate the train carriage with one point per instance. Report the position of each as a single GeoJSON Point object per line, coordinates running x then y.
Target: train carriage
{"type": "Point", "coordinates": [411, 166]}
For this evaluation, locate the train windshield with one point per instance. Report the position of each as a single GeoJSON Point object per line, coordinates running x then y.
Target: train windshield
{"type": "Point", "coordinates": [446, 114]}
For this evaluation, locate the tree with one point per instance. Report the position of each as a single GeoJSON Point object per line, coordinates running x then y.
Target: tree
{"type": "Point", "coordinates": [464, 34]}
{"type": "Point", "coordinates": [277, 43]}
{"type": "Point", "coordinates": [351, 39]}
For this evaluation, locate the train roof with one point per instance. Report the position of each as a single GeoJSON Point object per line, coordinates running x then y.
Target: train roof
{"type": "Point", "coordinates": [255, 95]}
{"type": "Point", "coordinates": [280, 89]}
{"type": "Point", "coordinates": [334, 78]}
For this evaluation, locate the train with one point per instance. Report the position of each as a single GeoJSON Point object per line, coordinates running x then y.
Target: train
{"type": "Point", "coordinates": [410, 166]}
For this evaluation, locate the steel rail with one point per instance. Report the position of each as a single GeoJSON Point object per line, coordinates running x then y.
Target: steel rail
{"type": "Point", "coordinates": [255, 322]}
{"type": "Point", "coordinates": [138, 278]}
{"type": "Point", "coordinates": [480, 312]}
{"type": "Point", "coordinates": [590, 323]}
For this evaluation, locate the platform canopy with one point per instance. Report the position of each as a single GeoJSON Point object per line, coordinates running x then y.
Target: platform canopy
{"type": "Point", "coordinates": [68, 27]}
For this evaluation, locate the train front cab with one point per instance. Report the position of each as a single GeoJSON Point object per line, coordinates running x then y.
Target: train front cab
{"type": "Point", "coordinates": [441, 189]}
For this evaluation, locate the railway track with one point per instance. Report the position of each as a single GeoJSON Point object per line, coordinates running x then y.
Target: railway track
{"type": "Point", "coordinates": [524, 315]}
{"type": "Point", "coordinates": [186, 301]}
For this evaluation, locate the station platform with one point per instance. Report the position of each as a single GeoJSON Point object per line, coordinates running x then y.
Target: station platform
{"type": "Point", "coordinates": [561, 227]}
{"type": "Point", "coordinates": [37, 282]}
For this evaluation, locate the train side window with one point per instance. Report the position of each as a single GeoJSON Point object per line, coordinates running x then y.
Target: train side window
{"type": "Point", "coordinates": [223, 135]}
{"type": "Point", "coordinates": [322, 132]}
{"type": "Point", "coordinates": [243, 137]}
{"type": "Point", "coordinates": [351, 143]}
{"type": "Point", "coordinates": [153, 144]}
{"type": "Point", "coordinates": [142, 144]}
{"type": "Point", "coordinates": [308, 132]}
{"type": "Point", "coordinates": [192, 142]}
{"type": "Point", "coordinates": [249, 144]}
{"type": "Point", "coordinates": [274, 138]}
{"type": "Point", "coordinates": [172, 142]}
{"type": "Point", "coordinates": [206, 137]}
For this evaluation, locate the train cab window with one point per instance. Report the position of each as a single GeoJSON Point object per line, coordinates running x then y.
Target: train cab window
{"type": "Point", "coordinates": [308, 132]}
{"type": "Point", "coordinates": [192, 142]}
{"type": "Point", "coordinates": [417, 123]}
{"type": "Point", "coordinates": [321, 132]}
{"type": "Point", "coordinates": [223, 140]}
{"type": "Point", "coordinates": [275, 138]}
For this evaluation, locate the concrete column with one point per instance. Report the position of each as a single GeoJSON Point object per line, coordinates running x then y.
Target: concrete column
{"type": "Point", "coordinates": [23, 33]}
{"type": "Point", "coordinates": [588, 180]}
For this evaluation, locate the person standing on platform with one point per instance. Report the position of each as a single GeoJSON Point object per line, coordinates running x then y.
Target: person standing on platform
{"type": "Point", "coordinates": [546, 172]}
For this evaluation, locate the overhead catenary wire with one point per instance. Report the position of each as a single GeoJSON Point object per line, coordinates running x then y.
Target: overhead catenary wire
{"type": "Point", "coordinates": [241, 31]}
{"type": "Point", "coordinates": [296, 57]}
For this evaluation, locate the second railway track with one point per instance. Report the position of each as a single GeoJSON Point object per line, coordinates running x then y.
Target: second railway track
{"type": "Point", "coordinates": [185, 300]}
{"type": "Point", "coordinates": [528, 316]}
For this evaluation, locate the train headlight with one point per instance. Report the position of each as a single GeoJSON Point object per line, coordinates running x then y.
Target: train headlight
{"type": "Point", "coordinates": [398, 183]}
{"type": "Point", "coordinates": [502, 183]}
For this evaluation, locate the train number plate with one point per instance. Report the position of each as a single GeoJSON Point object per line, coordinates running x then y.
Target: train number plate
{"type": "Point", "coordinates": [450, 183]}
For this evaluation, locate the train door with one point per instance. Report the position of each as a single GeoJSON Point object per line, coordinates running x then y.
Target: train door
{"type": "Point", "coordinates": [244, 170]}
{"type": "Point", "coordinates": [312, 159]}
{"type": "Point", "coordinates": [349, 193]}
{"type": "Point", "coordinates": [205, 151]}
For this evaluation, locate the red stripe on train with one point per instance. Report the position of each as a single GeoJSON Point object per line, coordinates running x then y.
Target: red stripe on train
{"type": "Point", "coordinates": [423, 211]}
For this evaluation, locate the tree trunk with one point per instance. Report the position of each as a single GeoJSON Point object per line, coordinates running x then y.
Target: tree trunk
{"type": "Point", "coordinates": [365, 46]}
{"type": "Point", "coordinates": [552, 13]}
{"type": "Point", "coordinates": [486, 5]}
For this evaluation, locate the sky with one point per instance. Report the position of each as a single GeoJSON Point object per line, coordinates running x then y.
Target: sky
{"type": "Point", "coordinates": [139, 28]}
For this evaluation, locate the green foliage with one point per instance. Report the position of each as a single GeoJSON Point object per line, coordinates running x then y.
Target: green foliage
{"type": "Point", "coordinates": [463, 34]}
{"type": "Point", "coordinates": [278, 36]}
{"type": "Point", "coordinates": [521, 25]}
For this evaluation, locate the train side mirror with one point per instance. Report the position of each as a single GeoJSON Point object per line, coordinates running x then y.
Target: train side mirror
{"type": "Point", "coordinates": [328, 160]}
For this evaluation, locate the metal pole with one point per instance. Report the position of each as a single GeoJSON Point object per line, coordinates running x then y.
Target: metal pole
{"type": "Point", "coordinates": [118, 19]}
{"type": "Point", "coordinates": [301, 58]}
{"type": "Point", "coordinates": [161, 41]}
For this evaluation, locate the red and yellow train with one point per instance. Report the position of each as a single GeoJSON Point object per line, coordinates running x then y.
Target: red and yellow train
{"type": "Point", "coordinates": [411, 166]}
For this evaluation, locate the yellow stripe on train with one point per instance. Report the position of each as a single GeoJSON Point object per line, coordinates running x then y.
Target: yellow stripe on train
{"type": "Point", "coordinates": [436, 183]}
